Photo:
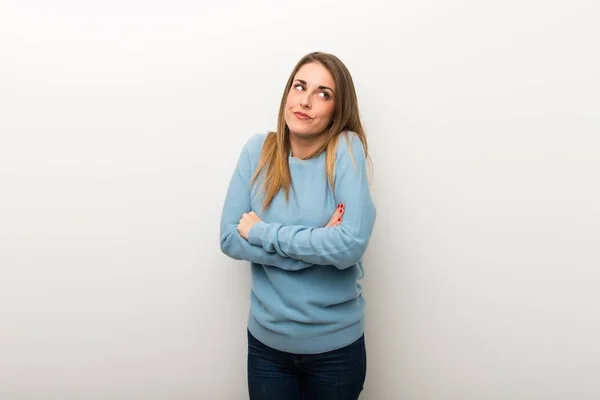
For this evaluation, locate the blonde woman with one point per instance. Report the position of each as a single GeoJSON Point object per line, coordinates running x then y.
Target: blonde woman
{"type": "Point", "coordinates": [299, 209]}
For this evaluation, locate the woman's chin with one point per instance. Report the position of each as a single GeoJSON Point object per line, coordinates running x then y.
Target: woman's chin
{"type": "Point", "coordinates": [303, 131]}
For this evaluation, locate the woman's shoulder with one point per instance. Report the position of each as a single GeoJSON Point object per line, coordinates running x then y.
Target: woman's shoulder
{"type": "Point", "coordinates": [350, 145]}
{"type": "Point", "coordinates": [256, 141]}
{"type": "Point", "coordinates": [254, 144]}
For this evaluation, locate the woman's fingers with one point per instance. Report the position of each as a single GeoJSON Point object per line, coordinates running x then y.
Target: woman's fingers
{"type": "Point", "coordinates": [337, 216]}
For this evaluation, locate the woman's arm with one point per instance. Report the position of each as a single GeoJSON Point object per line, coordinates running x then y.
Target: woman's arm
{"type": "Point", "coordinates": [341, 246]}
{"type": "Point", "coordinates": [237, 202]}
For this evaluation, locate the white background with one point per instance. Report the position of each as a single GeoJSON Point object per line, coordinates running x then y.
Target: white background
{"type": "Point", "coordinates": [121, 123]}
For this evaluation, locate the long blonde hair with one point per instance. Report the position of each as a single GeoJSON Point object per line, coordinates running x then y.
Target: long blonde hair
{"type": "Point", "coordinates": [274, 161]}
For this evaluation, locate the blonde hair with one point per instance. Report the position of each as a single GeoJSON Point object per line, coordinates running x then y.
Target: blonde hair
{"type": "Point", "coordinates": [274, 158]}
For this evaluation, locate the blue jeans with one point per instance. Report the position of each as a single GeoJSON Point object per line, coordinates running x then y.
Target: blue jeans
{"type": "Point", "coordinates": [333, 375]}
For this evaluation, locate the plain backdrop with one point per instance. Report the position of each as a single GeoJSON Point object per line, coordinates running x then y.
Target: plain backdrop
{"type": "Point", "coordinates": [121, 123]}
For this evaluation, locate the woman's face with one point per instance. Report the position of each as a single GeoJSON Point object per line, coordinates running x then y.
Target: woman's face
{"type": "Point", "coordinates": [310, 102]}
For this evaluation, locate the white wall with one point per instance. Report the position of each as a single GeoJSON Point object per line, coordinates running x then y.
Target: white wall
{"type": "Point", "coordinates": [121, 122]}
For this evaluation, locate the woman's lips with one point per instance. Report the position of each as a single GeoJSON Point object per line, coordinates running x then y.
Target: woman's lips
{"type": "Point", "coordinates": [301, 115]}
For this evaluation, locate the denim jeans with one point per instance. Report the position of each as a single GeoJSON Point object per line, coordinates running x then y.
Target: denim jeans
{"type": "Point", "coordinates": [333, 375]}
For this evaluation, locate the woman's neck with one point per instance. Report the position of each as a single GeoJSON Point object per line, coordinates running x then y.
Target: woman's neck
{"type": "Point", "coordinates": [302, 147]}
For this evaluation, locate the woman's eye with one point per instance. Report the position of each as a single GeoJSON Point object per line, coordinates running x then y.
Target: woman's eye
{"type": "Point", "coordinates": [324, 95]}
{"type": "Point", "coordinates": [299, 87]}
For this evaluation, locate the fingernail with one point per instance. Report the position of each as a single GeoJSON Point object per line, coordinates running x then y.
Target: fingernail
{"type": "Point", "coordinates": [339, 219]}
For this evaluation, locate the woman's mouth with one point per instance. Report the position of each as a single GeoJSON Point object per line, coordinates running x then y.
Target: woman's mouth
{"type": "Point", "coordinates": [301, 115]}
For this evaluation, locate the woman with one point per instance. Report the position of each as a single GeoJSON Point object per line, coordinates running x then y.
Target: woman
{"type": "Point", "coordinates": [306, 320]}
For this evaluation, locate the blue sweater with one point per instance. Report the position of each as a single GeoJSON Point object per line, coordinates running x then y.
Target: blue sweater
{"type": "Point", "coordinates": [305, 298]}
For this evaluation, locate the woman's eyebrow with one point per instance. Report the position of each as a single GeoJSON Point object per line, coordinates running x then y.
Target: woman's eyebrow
{"type": "Point", "coordinates": [320, 87]}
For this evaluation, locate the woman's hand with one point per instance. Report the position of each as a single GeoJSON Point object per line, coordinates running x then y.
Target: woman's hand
{"type": "Point", "coordinates": [249, 219]}
{"type": "Point", "coordinates": [336, 218]}
{"type": "Point", "coordinates": [246, 223]}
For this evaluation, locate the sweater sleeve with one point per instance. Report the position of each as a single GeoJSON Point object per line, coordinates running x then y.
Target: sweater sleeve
{"type": "Point", "coordinates": [341, 246]}
{"type": "Point", "coordinates": [237, 202]}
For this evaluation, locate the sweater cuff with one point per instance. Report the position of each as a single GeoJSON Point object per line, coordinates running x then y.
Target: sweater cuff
{"type": "Point", "coordinates": [256, 232]}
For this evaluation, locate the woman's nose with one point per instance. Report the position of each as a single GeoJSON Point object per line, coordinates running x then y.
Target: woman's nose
{"type": "Point", "coordinates": [305, 101]}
